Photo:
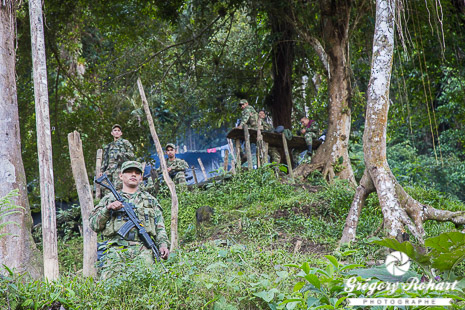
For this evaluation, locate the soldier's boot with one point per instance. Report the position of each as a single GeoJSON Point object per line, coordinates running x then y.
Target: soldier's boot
{"type": "Point", "coordinates": [309, 150]}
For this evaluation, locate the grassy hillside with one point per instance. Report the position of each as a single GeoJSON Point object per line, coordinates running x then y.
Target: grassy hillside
{"type": "Point", "coordinates": [238, 260]}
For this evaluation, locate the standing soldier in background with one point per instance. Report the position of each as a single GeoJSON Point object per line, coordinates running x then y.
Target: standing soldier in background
{"type": "Point", "coordinates": [115, 154]}
{"type": "Point", "coordinates": [272, 150]}
{"type": "Point", "coordinates": [176, 166]}
{"type": "Point", "coordinates": [310, 132]}
{"type": "Point", "coordinates": [249, 115]}
{"type": "Point", "coordinates": [107, 218]}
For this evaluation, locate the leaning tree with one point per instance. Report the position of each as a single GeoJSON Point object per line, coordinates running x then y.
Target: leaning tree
{"type": "Point", "coordinates": [399, 209]}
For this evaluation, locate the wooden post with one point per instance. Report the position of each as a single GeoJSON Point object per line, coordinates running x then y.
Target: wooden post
{"type": "Point", "coordinates": [233, 167]}
{"type": "Point", "coordinates": [231, 149]}
{"type": "Point", "coordinates": [248, 152]}
{"type": "Point", "coordinates": [202, 168]}
{"type": "Point", "coordinates": [288, 158]}
{"type": "Point", "coordinates": [86, 203]}
{"type": "Point", "coordinates": [238, 155]}
{"type": "Point", "coordinates": [44, 142]}
{"type": "Point", "coordinates": [265, 153]}
{"type": "Point", "coordinates": [166, 177]}
{"type": "Point", "coordinates": [226, 160]}
{"type": "Point", "coordinates": [259, 142]}
{"type": "Point", "coordinates": [98, 166]}
{"type": "Point", "coordinates": [194, 175]}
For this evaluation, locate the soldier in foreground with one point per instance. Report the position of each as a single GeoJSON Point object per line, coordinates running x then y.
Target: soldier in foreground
{"type": "Point", "coordinates": [272, 151]}
{"type": "Point", "coordinates": [310, 132]}
{"type": "Point", "coordinates": [107, 218]}
{"type": "Point", "coordinates": [176, 166]}
{"type": "Point", "coordinates": [114, 154]}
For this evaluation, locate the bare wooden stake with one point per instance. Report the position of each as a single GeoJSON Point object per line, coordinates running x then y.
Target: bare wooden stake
{"type": "Point", "coordinates": [233, 167]}
{"type": "Point", "coordinates": [226, 160]}
{"type": "Point", "coordinates": [166, 177]}
{"type": "Point", "coordinates": [202, 168]}
{"type": "Point", "coordinates": [248, 151]}
{"type": "Point", "coordinates": [98, 166]}
{"type": "Point", "coordinates": [231, 149]}
{"type": "Point", "coordinates": [265, 152]}
{"type": "Point", "coordinates": [259, 143]}
{"type": "Point", "coordinates": [238, 155]}
{"type": "Point", "coordinates": [44, 141]}
{"type": "Point", "coordinates": [288, 158]}
{"type": "Point", "coordinates": [297, 246]}
{"type": "Point", "coordinates": [194, 174]}
{"type": "Point", "coordinates": [86, 203]}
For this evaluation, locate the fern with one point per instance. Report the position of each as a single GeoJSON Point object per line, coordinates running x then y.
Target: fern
{"type": "Point", "coordinates": [7, 207]}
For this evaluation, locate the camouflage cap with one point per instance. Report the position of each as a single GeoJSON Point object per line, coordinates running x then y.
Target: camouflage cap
{"type": "Point", "coordinates": [170, 145]}
{"type": "Point", "coordinates": [131, 164]}
{"type": "Point", "coordinates": [116, 125]}
{"type": "Point", "coordinates": [243, 101]}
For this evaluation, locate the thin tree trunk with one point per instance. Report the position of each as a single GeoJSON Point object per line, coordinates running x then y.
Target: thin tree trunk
{"type": "Point", "coordinates": [248, 151]}
{"type": "Point", "coordinates": [86, 203]}
{"type": "Point", "coordinates": [44, 141]}
{"type": "Point", "coordinates": [400, 211]}
{"type": "Point", "coordinates": [17, 250]}
{"type": "Point", "coordinates": [226, 161]}
{"type": "Point", "coordinates": [166, 177]}
{"type": "Point", "coordinates": [202, 168]}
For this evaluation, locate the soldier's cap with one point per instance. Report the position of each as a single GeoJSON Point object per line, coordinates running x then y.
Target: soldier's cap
{"type": "Point", "coordinates": [243, 101]}
{"type": "Point", "coordinates": [170, 145]}
{"type": "Point", "coordinates": [131, 164]}
{"type": "Point", "coordinates": [117, 125]}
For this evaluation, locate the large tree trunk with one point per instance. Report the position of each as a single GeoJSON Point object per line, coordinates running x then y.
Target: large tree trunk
{"type": "Point", "coordinates": [400, 211]}
{"type": "Point", "coordinates": [280, 98]}
{"type": "Point", "coordinates": [335, 17]}
{"type": "Point", "coordinates": [17, 250]}
{"type": "Point", "coordinates": [44, 141]}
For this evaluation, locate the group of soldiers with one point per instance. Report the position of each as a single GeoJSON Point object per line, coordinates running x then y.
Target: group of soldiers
{"type": "Point", "coordinates": [251, 118]}
{"type": "Point", "coordinates": [127, 176]}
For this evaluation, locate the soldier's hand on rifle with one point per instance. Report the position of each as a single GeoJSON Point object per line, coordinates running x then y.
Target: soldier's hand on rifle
{"type": "Point", "coordinates": [164, 253]}
{"type": "Point", "coordinates": [239, 127]}
{"type": "Point", "coordinates": [115, 205]}
{"type": "Point", "coordinates": [169, 169]}
{"type": "Point", "coordinates": [302, 131]}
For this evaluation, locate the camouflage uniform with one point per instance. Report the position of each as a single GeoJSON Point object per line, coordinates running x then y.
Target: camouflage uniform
{"type": "Point", "coordinates": [272, 150]}
{"type": "Point", "coordinates": [114, 154]}
{"type": "Point", "coordinates": [249, 117]}
{"type": "Point", "coordinates": [178, 167]}
{"type": "Point", "coordinates": [311, 132]}
{"type": "Point", "coordinates": [108, 222]}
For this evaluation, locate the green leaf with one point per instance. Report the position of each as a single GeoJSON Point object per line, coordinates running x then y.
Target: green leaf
{"type": "Point", "coordinates": [333, 260]}
{"type": "Point", "coordinates": [448, 250]}
{"type": "Point", "coordinates": [313, 279]}
{"type": "Point", "coordinates": [405, 247]}
{"type": "Point", "coordinates": [265, 295]}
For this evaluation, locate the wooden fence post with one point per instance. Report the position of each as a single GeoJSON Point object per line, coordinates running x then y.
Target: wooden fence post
{"type": "Point", "coordinates": [166, 177]}
{"type": "Point", "coordinates": [247, 148]}
{"type": "Point", "coordinates": [202, 168]}
{"type": "Point", "coordinates": [226, 160]}
{"type": "Point", "coordinates": [86, 203]}
{"type": "Point", "coordinates": [194, 175]}
{"type": "Point", "coordinates": [288, 158]}
{"type": "Point", "coordinates": [238, 156]}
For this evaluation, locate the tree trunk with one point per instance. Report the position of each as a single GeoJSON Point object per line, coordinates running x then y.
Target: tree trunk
{"type": "Point", "coordinates": [86, 202]}
{"type": "Point", "coordinates": [335, 17]}
{"type": "Point", "coordinates": [166, 177]}
{"type": "Point", "coordinates": [280, 98]}
{"type": "Point", "coordinates": [400, 211]}
{"type": "Point", "coordinates": [17, 250]}
{"type": "Point", "coordinates": [44, 141]}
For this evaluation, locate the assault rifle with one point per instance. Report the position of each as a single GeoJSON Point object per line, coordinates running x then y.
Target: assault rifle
{"type": "Point", "coordinates": [134, 221]}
